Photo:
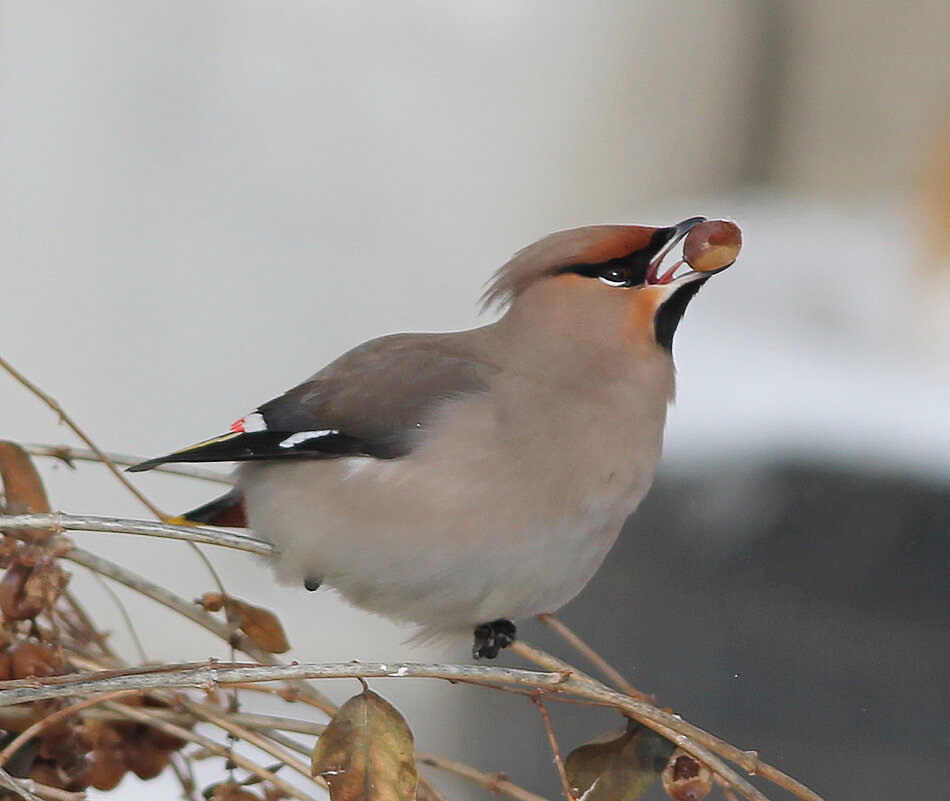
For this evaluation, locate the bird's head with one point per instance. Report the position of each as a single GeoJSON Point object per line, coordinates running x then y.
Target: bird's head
{"type": "Point", "coordinates": [613, 286]}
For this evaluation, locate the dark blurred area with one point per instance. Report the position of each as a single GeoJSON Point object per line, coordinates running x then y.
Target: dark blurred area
{"type": "Point", "coordinates": [797, 608]}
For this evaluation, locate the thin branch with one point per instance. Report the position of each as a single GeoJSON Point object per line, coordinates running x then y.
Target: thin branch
{"type": "Point", "coordinates": [227, 723]}
{"type": "Point", "coordinates": [148, 528]}
{"type": "Point", "coordinates": [701, 744]}
{"type": "Point", "coordinates": [495, 783]}
{"type": "Point", "coordinates": [676, 730]}
{"type": "Point", "coordinates": [55, 794]}
{"type": "Point", "coordinates": [124, 613]}
{"type": "Point", "coordinates": [86, 624]}
{"type": "Point", "coordinates": [206, 742]}
{"type": "Point", "coordinates": [69, 455]}
{"type": "Point", "coordinates": [70, 423]}
{"type": "Point", "coordinates": [31, 790]}
{"type": "Point", "coordinates": [31, 731]}
{"type": "Point", "coordinates": [18, 787]}
{"type": "Point", "coordinates": [572, 639]}
{"type": "Point", "coordinates": [193, 612]}
{"type": "Point", "coordinates": [104, 458]}
{"type": "Point", "coordinates": [182, 768]}
{"type": "Point", "coordinates": [212, 675]}
{"type": "Point", "coordinates": [558, 762]}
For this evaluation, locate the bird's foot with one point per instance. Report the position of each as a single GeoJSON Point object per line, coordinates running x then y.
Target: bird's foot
{"type": "Point", "coordinates": [490, 638]}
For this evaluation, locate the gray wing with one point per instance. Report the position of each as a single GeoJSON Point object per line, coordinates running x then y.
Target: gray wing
{"type": "Point", "coordinates": [374, 400]}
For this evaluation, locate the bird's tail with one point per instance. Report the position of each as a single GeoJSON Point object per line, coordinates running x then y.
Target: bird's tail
{"type": "Point", "coordinates": [228, 510]}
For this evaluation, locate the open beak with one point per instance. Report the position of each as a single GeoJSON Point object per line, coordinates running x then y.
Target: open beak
{"type": "Point", "coordinates": [680, 269]}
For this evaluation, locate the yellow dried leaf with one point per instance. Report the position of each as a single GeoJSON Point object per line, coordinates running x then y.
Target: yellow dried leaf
{"type": "Point", "coordinates": [619, 766]}
{"type": "Point", "coordinates": [261, 627]}
{"type": "Point", "coordinates": [367, 752]}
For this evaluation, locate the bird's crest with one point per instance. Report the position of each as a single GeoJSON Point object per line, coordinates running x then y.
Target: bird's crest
{"type": "Point", "coordinates": [592, 244]}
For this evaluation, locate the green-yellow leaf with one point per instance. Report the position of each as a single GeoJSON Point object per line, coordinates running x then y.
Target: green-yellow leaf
{"type": "Point", "coordinates": [618, 766]}
{"type": "Point", "coordinates": [366, 752]}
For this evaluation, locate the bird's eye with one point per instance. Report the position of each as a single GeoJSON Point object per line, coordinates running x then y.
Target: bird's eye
{"type": "Point", "coordinates": [615, 276]}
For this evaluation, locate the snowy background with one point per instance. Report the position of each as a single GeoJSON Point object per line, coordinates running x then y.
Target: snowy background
{"type": "Point", "coordinates": [203, 203]}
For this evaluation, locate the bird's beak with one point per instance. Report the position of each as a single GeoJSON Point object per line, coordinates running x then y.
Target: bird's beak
{"type": "Point", "coordinates": [680, 272]}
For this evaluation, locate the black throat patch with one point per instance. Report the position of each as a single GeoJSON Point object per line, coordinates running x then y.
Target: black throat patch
{"type": "Point", "coordinates": [668, 316]}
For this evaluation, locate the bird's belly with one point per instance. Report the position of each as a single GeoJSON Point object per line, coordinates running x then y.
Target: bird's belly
{"type": "Point", "coordinates": [446, 549]}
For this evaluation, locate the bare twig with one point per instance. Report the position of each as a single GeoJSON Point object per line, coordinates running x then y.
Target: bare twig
{"type": "Point", "coordinates": [55, 794]}
{"type": "Point", "coordinates": [227, 723]}
{"type": "Point", "coordinates": [210, 675]}
{"type": "Point", "coordinates": [90, 632]}
{"type": "Point", "coordinates": [124, 613]}
{"type": "Point", "coordinates": [495, 783]}
{"type": "Point", "coordinates": [104, 458]}
{"type": "Point", "coordinates": [192, 611]}
{"type": "Point", "coordinates": [69, 423]}
{"type": "Point", "coordinates": [148, 528]}
{"type": "Point", "coordinates": [701, 744]}
{"type": "Point", "coordinates": [70, 455]}
{"type": "Point", "coordinates": [563, 682]}
{"type": "Point", "coordinates": [18, 787]}
{"type": "Point", "coordinates": [31, 731]}
{"type": "Point", "coordinates": [572, 639]}
{"type": "Point", "coordinates": [558, 762]}
{"type": "Point", "coordinates": [216, 748]}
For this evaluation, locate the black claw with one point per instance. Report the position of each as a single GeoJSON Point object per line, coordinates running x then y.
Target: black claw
{"type": "Point", "coordinates": [312, 583]}
{"type": "Point", "coordinates": [490, 638]}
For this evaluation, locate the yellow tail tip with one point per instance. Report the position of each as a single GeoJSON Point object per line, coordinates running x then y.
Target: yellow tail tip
{"type": "Point", "coordinates": [181, 520]}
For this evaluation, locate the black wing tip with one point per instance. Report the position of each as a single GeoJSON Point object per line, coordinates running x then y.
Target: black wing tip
{"type": "Point", "coordinates": [148, 464]}
{"type": "Point", "coordinates": [273, 446]}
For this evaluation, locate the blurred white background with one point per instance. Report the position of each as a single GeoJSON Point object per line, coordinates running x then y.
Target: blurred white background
{"type": "Point", "coordinates": [203, 203]}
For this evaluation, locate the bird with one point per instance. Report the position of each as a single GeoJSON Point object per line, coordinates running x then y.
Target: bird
{"type": "Point", "coordinates": [463, 481]}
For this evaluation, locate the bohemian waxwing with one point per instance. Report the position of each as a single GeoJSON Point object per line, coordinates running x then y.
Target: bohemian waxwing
{"type": "Point", "coordinates": [461, 481]}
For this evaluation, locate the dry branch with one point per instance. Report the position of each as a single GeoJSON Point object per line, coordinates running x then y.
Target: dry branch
{"type": "Point", "coordinates": [59, 521]}
{"type": "Point", "coordinates": [147, 697]}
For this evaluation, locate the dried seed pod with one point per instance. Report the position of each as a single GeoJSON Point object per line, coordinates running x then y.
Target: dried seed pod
{"type": "Point", "coordinates": [45, 583]}
{"type": "Point", "coordinates": [164, 741]}
{"type": "Point", "coordinates": [47, 773]}
{"type": "Point", "coordinates": [13, 600]}
{"type": "Point", "coordinates": [685, 778]}
{"type": "Point", "coordinates": [34, 659]}
{"type": "Point", "coordinates": [211, 601]}
{"type": "Point", "coordinates": [145, 759]}
{"type": "Point", "coordinates": [712, 245]}
{"type": "Point", "coordinates": [229, 791]}
{"type": "Point", "coordinates": [108, 768]}
{"type": "Point", "coordinates": [30, 586]}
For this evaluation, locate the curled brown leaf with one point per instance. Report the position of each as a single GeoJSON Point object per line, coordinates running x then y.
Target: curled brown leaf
{"type": "Point", "coordinates": [261, 626]}
{"type": "Point", "coordinates": [22, 486]}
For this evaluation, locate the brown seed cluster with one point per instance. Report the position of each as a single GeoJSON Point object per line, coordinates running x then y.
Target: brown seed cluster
{"type": "Point", "coordinates": [120, 747]}
{"type": "Point", "coordinates": [67, 753]}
